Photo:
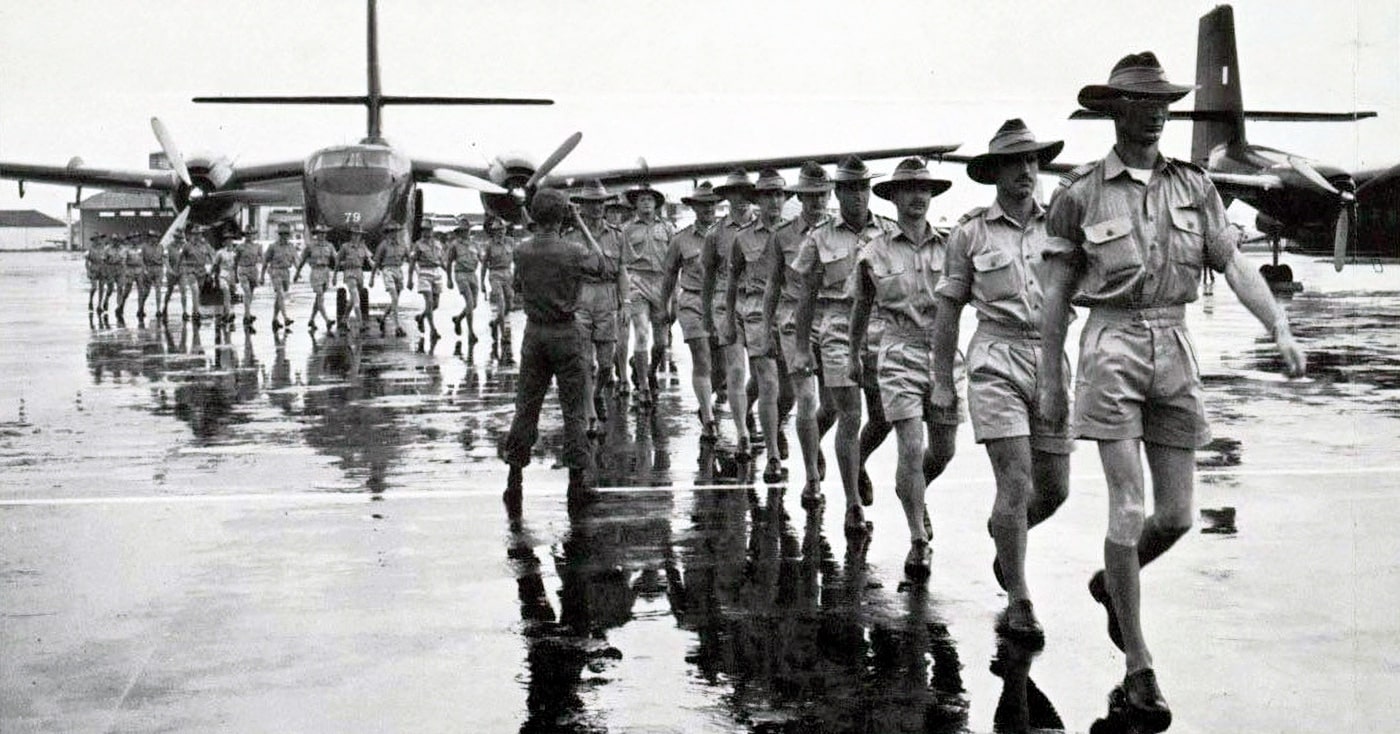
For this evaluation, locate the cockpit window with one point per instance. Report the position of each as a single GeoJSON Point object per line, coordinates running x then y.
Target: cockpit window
{"type": "Point", "coordinates": [353, 158]}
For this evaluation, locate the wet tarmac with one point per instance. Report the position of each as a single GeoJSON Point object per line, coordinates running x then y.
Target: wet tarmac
{"type": "Point", "coordinates": [241, 533]}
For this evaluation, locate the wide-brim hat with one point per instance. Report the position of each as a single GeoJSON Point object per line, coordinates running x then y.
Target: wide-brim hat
{"type": "Point", "coordinates": [703, 194]}
{"type": "Point", "coordinates": [852, 169]}
{"type": "Point", "coordinates": [770, 180]}
{"type": "Point", "coordinates": [618, 202]}
{"type": "Point", "coordinates": [736, 183]}
{"type": "Point", "coordinates": [319, 227]}
{"type": "Point", "coordinates": [1137, 76]}
{"type": "Point", "coordinates": [911, 173]}
{"type": "Point", "coordinates": [812, 179]}
{"type": "Point", "coordinates": [591, 191]}
{"type": "Point", "coordinates": [1012, 139]}
{"type": "Point", "coordinates": [634, 194]}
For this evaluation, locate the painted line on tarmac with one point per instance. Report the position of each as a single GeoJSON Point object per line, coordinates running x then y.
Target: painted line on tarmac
{"type": "Point", "coordinates": [348, 498]}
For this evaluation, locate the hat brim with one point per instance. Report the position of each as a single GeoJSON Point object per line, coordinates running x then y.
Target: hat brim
{"type": "Point", "coordinates": [703, 199]}
{"type": "Point", "coordinates": [756, 192]}
{"type": "Point", "coordinates": [983, 168]}
{"type": "Point", "coordinates": [577, 198]}
{"type": "Point", "coordinates": [1098, 96]}
{"type": "Point", "coordinates": [655, 195]}
{"type": "Point", "coordinates": [886, 189]}
{"type": "Point", "coordinates": [825, 187]}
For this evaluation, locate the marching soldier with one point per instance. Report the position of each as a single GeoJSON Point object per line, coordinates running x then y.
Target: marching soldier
{"type": "Point", "coordinates": [685, 267]}
{"type": "Point", "coordinates": [496, 263]}
{"type": "Point", "coordinates": [463, 258]}
{"type": "Point", "coordinates": [196, 258]}
{"type": "Point", "coordinates": [389, 259]}
{"type": "Point", "coordinates": [225, 272]}
{"type": "Point", "coordinates": [827, 266]}
{"type": "Point", "coordinates": [112, 268]}
{"type": "Point", "coordinates": [92, 260]}
{"type": "Point", "coordinates": [132, 267]}
{"type": "Point", "coordinates": [353, 260]}
{"type": "Point", "coordinates": [427, 259]}
{"type": "Point", "coordinates": [324, 260]}
{"type": "Point", "coordinates": [150, 276]}
{"type": "Point", "coordinates": [995, 262]}
{"type": "Point", "coordinates": [647, 238]}
{"type": "Point", "coordinates": [813, 191]}
{"type": "Point", "coordinates": [750, 273]}
{"type": "Point", "coordinates": [278, 260]}
{"type": "Point", "coordinates": [896, 274]}
{"type": "Point", "coordinates": [172, 271]}
{"type": "Point", "coordinates": [1129, 235]}
{"type": "Point", "coordinates": [248, 258]}
{"type": "Point", "coordinates": [602, 298]}
{"type": "Point", "coordinates": [737, 190]}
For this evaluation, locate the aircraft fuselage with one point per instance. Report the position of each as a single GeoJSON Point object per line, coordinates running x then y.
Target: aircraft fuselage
{"type": "Point", "coordinates": [359, 187]}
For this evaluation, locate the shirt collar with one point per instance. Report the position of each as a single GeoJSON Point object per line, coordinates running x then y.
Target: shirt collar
{"type": "Point", "coordinates": [995, 212]}
{"type": "Point", "coordinates": [1113, 166]}
{"type": "Point", "coordinates": [858, 229]}
{"type": "Point", "coordinates": [931, 235]}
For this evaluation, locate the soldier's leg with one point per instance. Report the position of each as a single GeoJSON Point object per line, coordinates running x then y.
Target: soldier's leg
{"type": "Point", "coordinates": [765, 371]}
{"type": "Point", "coordinates": [566, 352]}
{"type": "Point", "coordinates": [1011, 466]}
{"type": "Point", "coordinates": [805, 388]}
{"type": "Point", "coordinates": [534, 380]}
{"type": "Point", "coordinates": [584, 322]}
{"type": "Point", "coordinates": [1050, 482]}
{"type": "Point", "coordinates": [909, 484]}
{"type": "Point", "coordinates": [847, 402]}
{"type": "Point", "coordinates": [640, 322]}
{"type": "Point", "coordinates": [736, 363]}
{"type": "Point", "coordinates": [1122, 464]}
{"type": "Point", "coordinates": [700, 371]}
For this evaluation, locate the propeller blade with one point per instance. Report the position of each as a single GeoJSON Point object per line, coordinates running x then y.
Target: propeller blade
{"type": "Point", "coordinates": [172, 152]}
{"type": "Point", "coordinates": [553, 160]}
{"type": "Point", "coordinates": [1308, 172]}
{"type": "Point", "coordinates": [175, 226]}
{"type": "Point", "coordinates": [1341, 241]}
{"type": "Point", "coordinates": [247, 196]}
{"type": "Point", "coordinates": [462, 180]}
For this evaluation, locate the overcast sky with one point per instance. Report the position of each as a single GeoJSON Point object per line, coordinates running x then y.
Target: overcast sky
{"type": "Point", "coordinates": [673, 81]}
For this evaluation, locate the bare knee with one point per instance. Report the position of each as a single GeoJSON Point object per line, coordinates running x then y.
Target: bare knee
{"type": "Point", "coordinates": [1125, 524]}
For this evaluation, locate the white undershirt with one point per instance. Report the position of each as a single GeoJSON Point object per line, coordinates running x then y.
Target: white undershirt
{"type": "Point", "coordinates": [1141, 174]}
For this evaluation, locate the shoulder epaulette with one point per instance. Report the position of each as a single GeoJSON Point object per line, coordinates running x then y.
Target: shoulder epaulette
{"type": "Point", "coordinates": [1188, 165]}
{"type": "Point", "coordinates": [972, 213]}
{"type": "Point", "coordinates": [749, 224]}
{"type": "Point", "coordinates": [1068, 179]}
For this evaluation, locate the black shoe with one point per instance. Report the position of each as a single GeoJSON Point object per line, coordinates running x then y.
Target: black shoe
{"type": "Point", "coordinates": [709, 432]}
{"type": "Point", "coordinates": [821, 465]}
{"type": "Point", "coordinates": [457, 324]}
{"type": "Point", "coordinates": [398, 331]}
{"type": "Point", "coordinates": [1098, 588]}
{"type": "Point", "coordinates": [918, 565]}
{"type": "Point", "coordinates": [593, 430]}
{"type": "Point", "coordinates": [383, 327]}
{"type": "Point", "coordinates": [774, 472]}
{"type": "Point", "coordinates": [1018, 622]}
{"type": "Point", "coordinates": [419, 321]}
{"type": "Point", "coordinates": [742, 450]}
{"type": "Point", "coordinates": [1144, 699]}
{"type": "Point", "coordinates": [330, 324]}
{"type": "Point", "coordinates": [856, 525]}
{"type": "Point", "coordinates": [276, 325]}
{"type": "Point", "coordinates": [866, 488]}
{"type": "Point", "coordinates": [184, 317]}
{"type": "Point", "coordinates": [812, 495]}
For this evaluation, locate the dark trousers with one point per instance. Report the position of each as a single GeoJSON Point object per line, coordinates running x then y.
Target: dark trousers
{"type": "Point", "coordinates": [549, 351]}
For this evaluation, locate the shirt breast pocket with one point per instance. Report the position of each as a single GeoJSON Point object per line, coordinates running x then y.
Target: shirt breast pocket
{"type": "Point", "coordinates": [1187, 237]}
{"type": "Point", "coordinates": [836, 265]}
{"type": "Point", "coordinates": [1111, 252]}
{"type": "Point", "coordinates": [890, 282]}
{"type": "Point", "coordinates": [994, 277]}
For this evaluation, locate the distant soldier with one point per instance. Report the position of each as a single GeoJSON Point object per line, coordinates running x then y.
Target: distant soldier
{"type": "Point", "coordinates": [813, 191]}
{"type": "Point", "coordinates": [92, 260]}
{"type": "Point", "coordinates": [172, 271]}
{"type": "Point", "coordinates": [196, 258]}
{"type": "Point", "coordinates": [149, 278]}
{"type": "Point", "coordinates": [550, 270]}
{"type": "Point", "coordinates": [685, 268]}
{"type": "Point", "coordinates": [1128, 236]}
{"type": "Point", "coordinates": [389, 258]}
{"type": "Point", "coordinates": [324, 261]}
{"type": "Point", "coordinates": [353, 260]}
{"type": "Point", "coordinates": [131, 268]}
{"type": "Point", "coordinates": [463, 259]}
{"type": "Point", "coordinates": [896, 274]}
{"type": "Point", "coordinates": [602, 298]}
{"type": "Point", "coordinates": [618, 211]}
{"type": "Point", "coordinates": [226, 274]}
{"type": "Point", "coordinates": [112, 267]}
{"type": "Point", "coordinates": [737, 190]}
{"type": "Point", "coordinates": [995, 262]}
{"type": "Point", "coordinates": [648, 238]}
{"type": "Point", "coordinates": [427, 260]}
{"type": "Point", "coordinates": [248, 258]}
{"type": "Point", "coordinates": [827, 266]}
{"type": "Point", "coordinates": [496, 263]}
{"type": "Point", "coordinates": [278, 260]}
{"type": "Point", "coordinates": [751, 266]}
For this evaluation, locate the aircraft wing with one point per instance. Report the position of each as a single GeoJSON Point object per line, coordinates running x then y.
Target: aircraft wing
{"type": "Point", "coordinates": [423, 169]}
{"type": "Point", "coordinates": [1052, 167]}
{"type": "Point", "coordinates": [152, 180]}
{"type": "Point", "coordinates": [268, 172]}
{"type": "Point", "coordinates": [690, 171]}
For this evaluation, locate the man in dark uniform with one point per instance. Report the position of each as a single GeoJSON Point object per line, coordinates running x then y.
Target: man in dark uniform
{"type": "Point", "coordinates": [684, 267]}
{"type": "Point", "coordinates": [995, 262]}
{"type": "Point", "coordinates": [549, 272]}
{"type": "Point", "coordinates": [601, 299]}
{"type": "Point", "coordinates": [1128, 236]}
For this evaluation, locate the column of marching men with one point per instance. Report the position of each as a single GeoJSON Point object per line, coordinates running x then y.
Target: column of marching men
{"type": "Point", "coordinates": [811, 313]}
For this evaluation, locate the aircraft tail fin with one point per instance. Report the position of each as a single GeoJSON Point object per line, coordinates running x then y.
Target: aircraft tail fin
{"type": "Point", "coordinates": [1219, 101]}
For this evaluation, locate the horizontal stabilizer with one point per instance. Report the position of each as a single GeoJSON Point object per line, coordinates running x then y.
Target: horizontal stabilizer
{"type": "Point", "coordinates": [1225, 116]}
{"type": "Point", "coordinates": [364, 100]}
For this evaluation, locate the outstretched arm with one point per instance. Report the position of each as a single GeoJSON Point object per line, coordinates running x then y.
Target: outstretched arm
{"type": "Point", "coordinates": [1254, 293]}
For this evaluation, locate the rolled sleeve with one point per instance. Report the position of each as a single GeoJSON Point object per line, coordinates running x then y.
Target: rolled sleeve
{"type": "Point", "coordinates": [1064, 235]}
{"type": "Point", "coordinates": [1223, 237]}
{"type": "Point", "coordinates": [956, 281]}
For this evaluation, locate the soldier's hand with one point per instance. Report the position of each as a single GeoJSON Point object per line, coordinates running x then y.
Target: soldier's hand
{"type": "Point", "coordinates": [1052, 401]}
{"type": "Point", "coordinates": [942, 395]}
{"type": "Point", "coordinates": [803, 361]}
{"type": "Point", "coordinates": [1295, 362]}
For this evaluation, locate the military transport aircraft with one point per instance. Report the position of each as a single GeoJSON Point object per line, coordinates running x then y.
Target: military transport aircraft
{"type": "Point", "coordinates": [1321, 207]}
{"type": "Point", "coordinates": [362, 187]}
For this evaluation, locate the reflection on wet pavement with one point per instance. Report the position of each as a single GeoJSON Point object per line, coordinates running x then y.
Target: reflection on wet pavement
{"type": "Point", "coordinates": [746, 612]}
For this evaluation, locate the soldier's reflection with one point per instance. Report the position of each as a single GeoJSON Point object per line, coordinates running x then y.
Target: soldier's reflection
{"type": "Point", "coordinates": [365, 437]}
{"type": "Point", "coordinates": [625, 461]}
{"type": "Point", "coordinates": [1022, 707]}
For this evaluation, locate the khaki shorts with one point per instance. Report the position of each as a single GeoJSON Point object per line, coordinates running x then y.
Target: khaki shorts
{"type": "Point", "coordinates": [354, 280]}
{"type": "Point", "coordinates": [430, 281]}
{"type": "Point", "coordinates": [757, 335]}
{"type": "Point", "coordinates": [1001, 395]}
{"type": "Point", "coordinates": [320, 278]}
{"type": "Point", "coordinates": [192, 279]}
{"type": "Point", "coordinates": [597, 313]}
{"type": "Point", "coordinates": [467, 285]}
{"type": "Point", "coordinates": [247, 278]}
{"type": "Point", "coordinates": [151, 276]}
{"type": "Point", "coordinates": [393, 279]}
{"type": "Point", "coordinates": [281, 280]}
{"type": "Point", "coordinates": [691, 313]}
{"type": "Point", "coordinates": [906, 382]}
{"type": "Point", "coordinates": [832, 327]}
{"type": "Point", "coordinates": [1138, 378]}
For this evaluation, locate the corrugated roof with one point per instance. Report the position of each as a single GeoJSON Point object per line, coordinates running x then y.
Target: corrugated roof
{"type": "Point", "coordinates": [120, 200]}
{"type": "Point", "coordinates": [27, 218]}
